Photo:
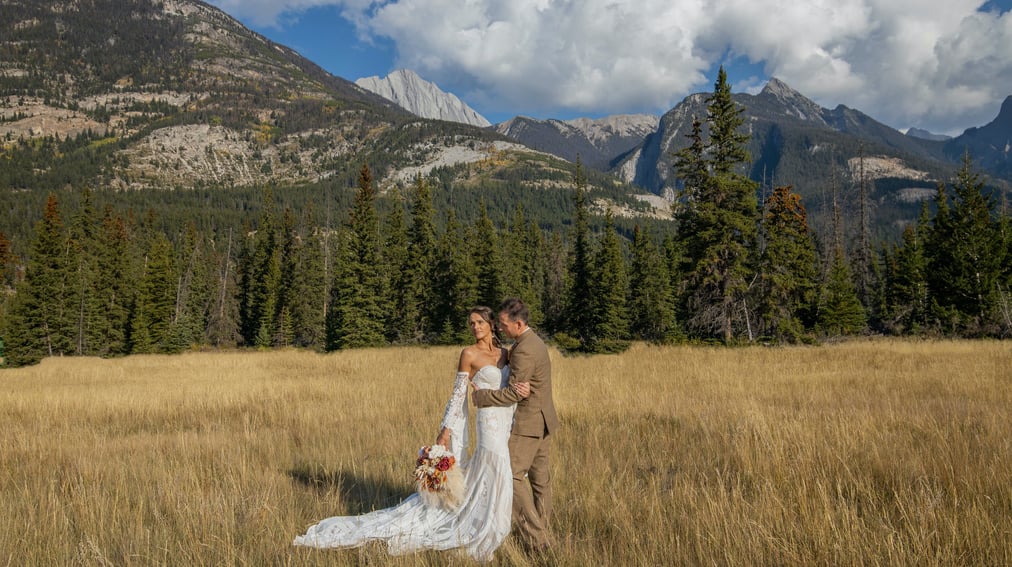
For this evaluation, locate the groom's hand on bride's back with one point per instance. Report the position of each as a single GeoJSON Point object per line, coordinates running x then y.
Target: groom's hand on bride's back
{"type": "Point", "coordinates": [523, 389]}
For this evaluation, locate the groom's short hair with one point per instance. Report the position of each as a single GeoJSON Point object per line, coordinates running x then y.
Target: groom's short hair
{"type": "Point", "coordinates": [515, 309]}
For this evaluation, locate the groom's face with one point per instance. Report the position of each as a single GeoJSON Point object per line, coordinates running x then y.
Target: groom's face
{"type": "Point", "coordinates": [508, 326]}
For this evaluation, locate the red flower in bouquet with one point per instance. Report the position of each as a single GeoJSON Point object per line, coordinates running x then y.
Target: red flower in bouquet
{"type": "Point", "coordinates": [445, 463]}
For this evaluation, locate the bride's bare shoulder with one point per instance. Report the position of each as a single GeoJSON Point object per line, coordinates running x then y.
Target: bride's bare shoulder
{"type": "Point", "coordinates": [467, 357]}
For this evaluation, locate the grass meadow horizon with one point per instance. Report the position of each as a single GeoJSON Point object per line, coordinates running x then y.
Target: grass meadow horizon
{"type": "Point", "coordinates": [868, 452]}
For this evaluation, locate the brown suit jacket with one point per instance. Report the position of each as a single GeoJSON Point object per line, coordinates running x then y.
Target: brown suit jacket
{"type": "Point", "coordinates": [529, 362]}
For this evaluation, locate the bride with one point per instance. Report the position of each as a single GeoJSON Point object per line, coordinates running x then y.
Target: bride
{"type": "Point", "coordinates": [482, 521]}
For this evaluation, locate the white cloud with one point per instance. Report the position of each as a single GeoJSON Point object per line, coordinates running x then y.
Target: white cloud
{"type": "Point", "coordinates": [267, 13]}
{"type": "Point", "coordinates": [936, 64]}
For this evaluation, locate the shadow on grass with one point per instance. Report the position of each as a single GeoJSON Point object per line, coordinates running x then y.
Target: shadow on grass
{"type": "Point", "coordinates": [359, 493]}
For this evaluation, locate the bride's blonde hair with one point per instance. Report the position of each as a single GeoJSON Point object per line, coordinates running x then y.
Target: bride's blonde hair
{"type": "Point", "coordinates": [486, 314]}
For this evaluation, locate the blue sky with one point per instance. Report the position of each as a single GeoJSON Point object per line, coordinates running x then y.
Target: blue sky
{"type": "Point", "coordinates": [941, 65]}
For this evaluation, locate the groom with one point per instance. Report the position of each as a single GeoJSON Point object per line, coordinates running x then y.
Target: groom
{"type": "Point", "coordinates": [533, 425]}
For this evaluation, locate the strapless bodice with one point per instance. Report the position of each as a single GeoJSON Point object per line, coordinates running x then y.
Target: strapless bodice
{"type": "Point", "coordinates": [491, 377]}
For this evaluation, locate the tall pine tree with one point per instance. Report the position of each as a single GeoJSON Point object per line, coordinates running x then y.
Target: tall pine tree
{"type": "Point", "coordinates": [967, 255]}
{"type": "Point", "coordinates": [456, 283]}
{"type": "Point", "coordinates": [309, 290]}
{"type": "Point", "coordinates": [116, 283]}
{"type": "Point", "coordinates": [418, 283]}
{"type": "Point", "coordinates": [718, 224]}
{"type": "Point", "coordinates": [38, 326]}
{"type": "Point", "coordinates": [395, 269]}
{"type": "Point", "coordinates": [555, 284]}
{"type": "Point", "coordinates": [907, 291]}
{"type": "Point", "coordinates": [155, 301]}
{"type": "Point", "coordinates": [609, 289]}
{"type": "Point", "coordinates": [651, 301]}
{"type": "Point", "coordinates": [523, 267]}
{"type": "Point", "coordinates": [840, 310]}
{"type": "Point", "coordinates": [260, 280]}
{"type": "Point", "coordinates": [488, 264]}
{"type": "Point", "coordinates": [579, 320]}
{"type": "Point", "coordinates": [788, 270]}
{"type": "Point", "coordinates": [84, 304]}
{"type": "Point", "coordinates": [360, 317]}
{"type": "Point", "coordinates": [223, 317]}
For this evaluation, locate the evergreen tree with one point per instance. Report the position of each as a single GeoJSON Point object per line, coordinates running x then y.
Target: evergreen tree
{"type": "Point", "coordinates": [674, 260]}
{"type": "Point", "coordinates": [938, 254]}
{"type": "Point", "coordinates": [154, 305]}
{"type": "Point", "coordinates": [908, 286]}
{"type": "Point", "coordinates": [967, 254]}
{"type": "Point", "coordinates": [1004, 294]}
{"type": "Point", "coordinates": [878, 293]}
{"type": "Point", "coordinates": [883, 292]}
{"type": "Point", "coordinates": [115, 282]}
{"type": "Point", "coordinates": [260, 279]}
{"type": "Point", "coordinates": [266, 284]}
{"type": "Point", "coordinates": [193, 293]}
{"type": "Point", "coordinates": [83, 304]}
{"type": "Point", "coordinates": [864, 266]}
{"type": "Point", "coordinates": [246, 275]}
{"type": "Point", "coordinates": [609, 289]}
{"type": "Point", "coordinates": [692, 169]}
{"type": "Point", "coordinates": [651, 301]}
{"type": "Point", "coordinates": [332, 325]}
{"type": "Point", "coordinates": [38, 325]}
{"type": "Point", "coordinates": [395, 262]}
{"type": "Point", "coordinates": [840, 310]}
{"type": "Point", "coordinates": [788, 268]}
{"type": "Point", "coordinates": [523, 266]}
{"type": "Point", "coordinates": [718, 225]}
{"type": "Point", "coordinates": [419, 278]}
{"type": "Point", "coordinates": [488, 264]}
{"type": "Point", "coordinates": [579, 321]}
{"type": "Point", "coordinates": [223, 325]}
{"type": "Point", "coordinates": [535, 269]}
{"type": "Point", "coordinates": [308, 292]}
{"type": "Point", "coordinates": [556, 284]}
{"type": "Point", "coordinates": [456, 283]}
{"type": "Point", "coordinates": [288, 288]}
{"type": "Point", "coordinates": [684, 250]}
{"type": "Point", "coordinates": [360, 315]}
{"type": "Point", "coordinates": [7, 261]}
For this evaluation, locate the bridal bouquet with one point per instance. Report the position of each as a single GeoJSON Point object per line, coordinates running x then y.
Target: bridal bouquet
{"type": "Point", "coordinates": [438, 478]}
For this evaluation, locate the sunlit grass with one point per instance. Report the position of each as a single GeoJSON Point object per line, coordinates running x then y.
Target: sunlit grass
{"type": "Point", "coordinates": [864, 453]}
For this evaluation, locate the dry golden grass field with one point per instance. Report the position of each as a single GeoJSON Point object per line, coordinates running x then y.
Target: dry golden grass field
{"type": "Point", "coordinates": [861, 453]}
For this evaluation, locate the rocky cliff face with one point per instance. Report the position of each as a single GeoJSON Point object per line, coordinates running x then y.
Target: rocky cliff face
{"type": "Point", "coordinates": [990, 146]}
{"type": "Point", "coordinates": [421, 97]}
{"type": "Point", "coordinates": [595, 141]}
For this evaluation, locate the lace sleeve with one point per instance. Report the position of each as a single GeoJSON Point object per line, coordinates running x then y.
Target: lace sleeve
{"type": "Point", "coordinates": [455, 417]}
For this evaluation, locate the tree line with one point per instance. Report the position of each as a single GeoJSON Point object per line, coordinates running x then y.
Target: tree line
{"type": "Point", "coordinates": [728, 269]}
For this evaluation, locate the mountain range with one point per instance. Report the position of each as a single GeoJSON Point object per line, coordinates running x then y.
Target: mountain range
{"type": "Point", "coordinates": [176, 94]}
{"type": "Point", "coordinates": [794, 142]}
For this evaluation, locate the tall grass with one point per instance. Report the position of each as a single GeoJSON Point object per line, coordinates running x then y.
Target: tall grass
{"type": "Point", "coordinates": [864, 453]}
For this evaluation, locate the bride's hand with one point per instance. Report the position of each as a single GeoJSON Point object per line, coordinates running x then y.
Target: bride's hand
{"type": "Point", "coordinates": [444, 438]}
{"type": "Point", "coordinates": [523, 389]}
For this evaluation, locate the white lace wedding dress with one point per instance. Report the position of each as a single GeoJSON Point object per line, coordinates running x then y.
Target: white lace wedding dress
{"type": "Point", "coordinates": [482, 521]}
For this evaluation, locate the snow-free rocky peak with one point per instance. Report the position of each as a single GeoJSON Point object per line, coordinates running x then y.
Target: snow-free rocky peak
{"type": "Point", "coordinates": [423, 98]}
